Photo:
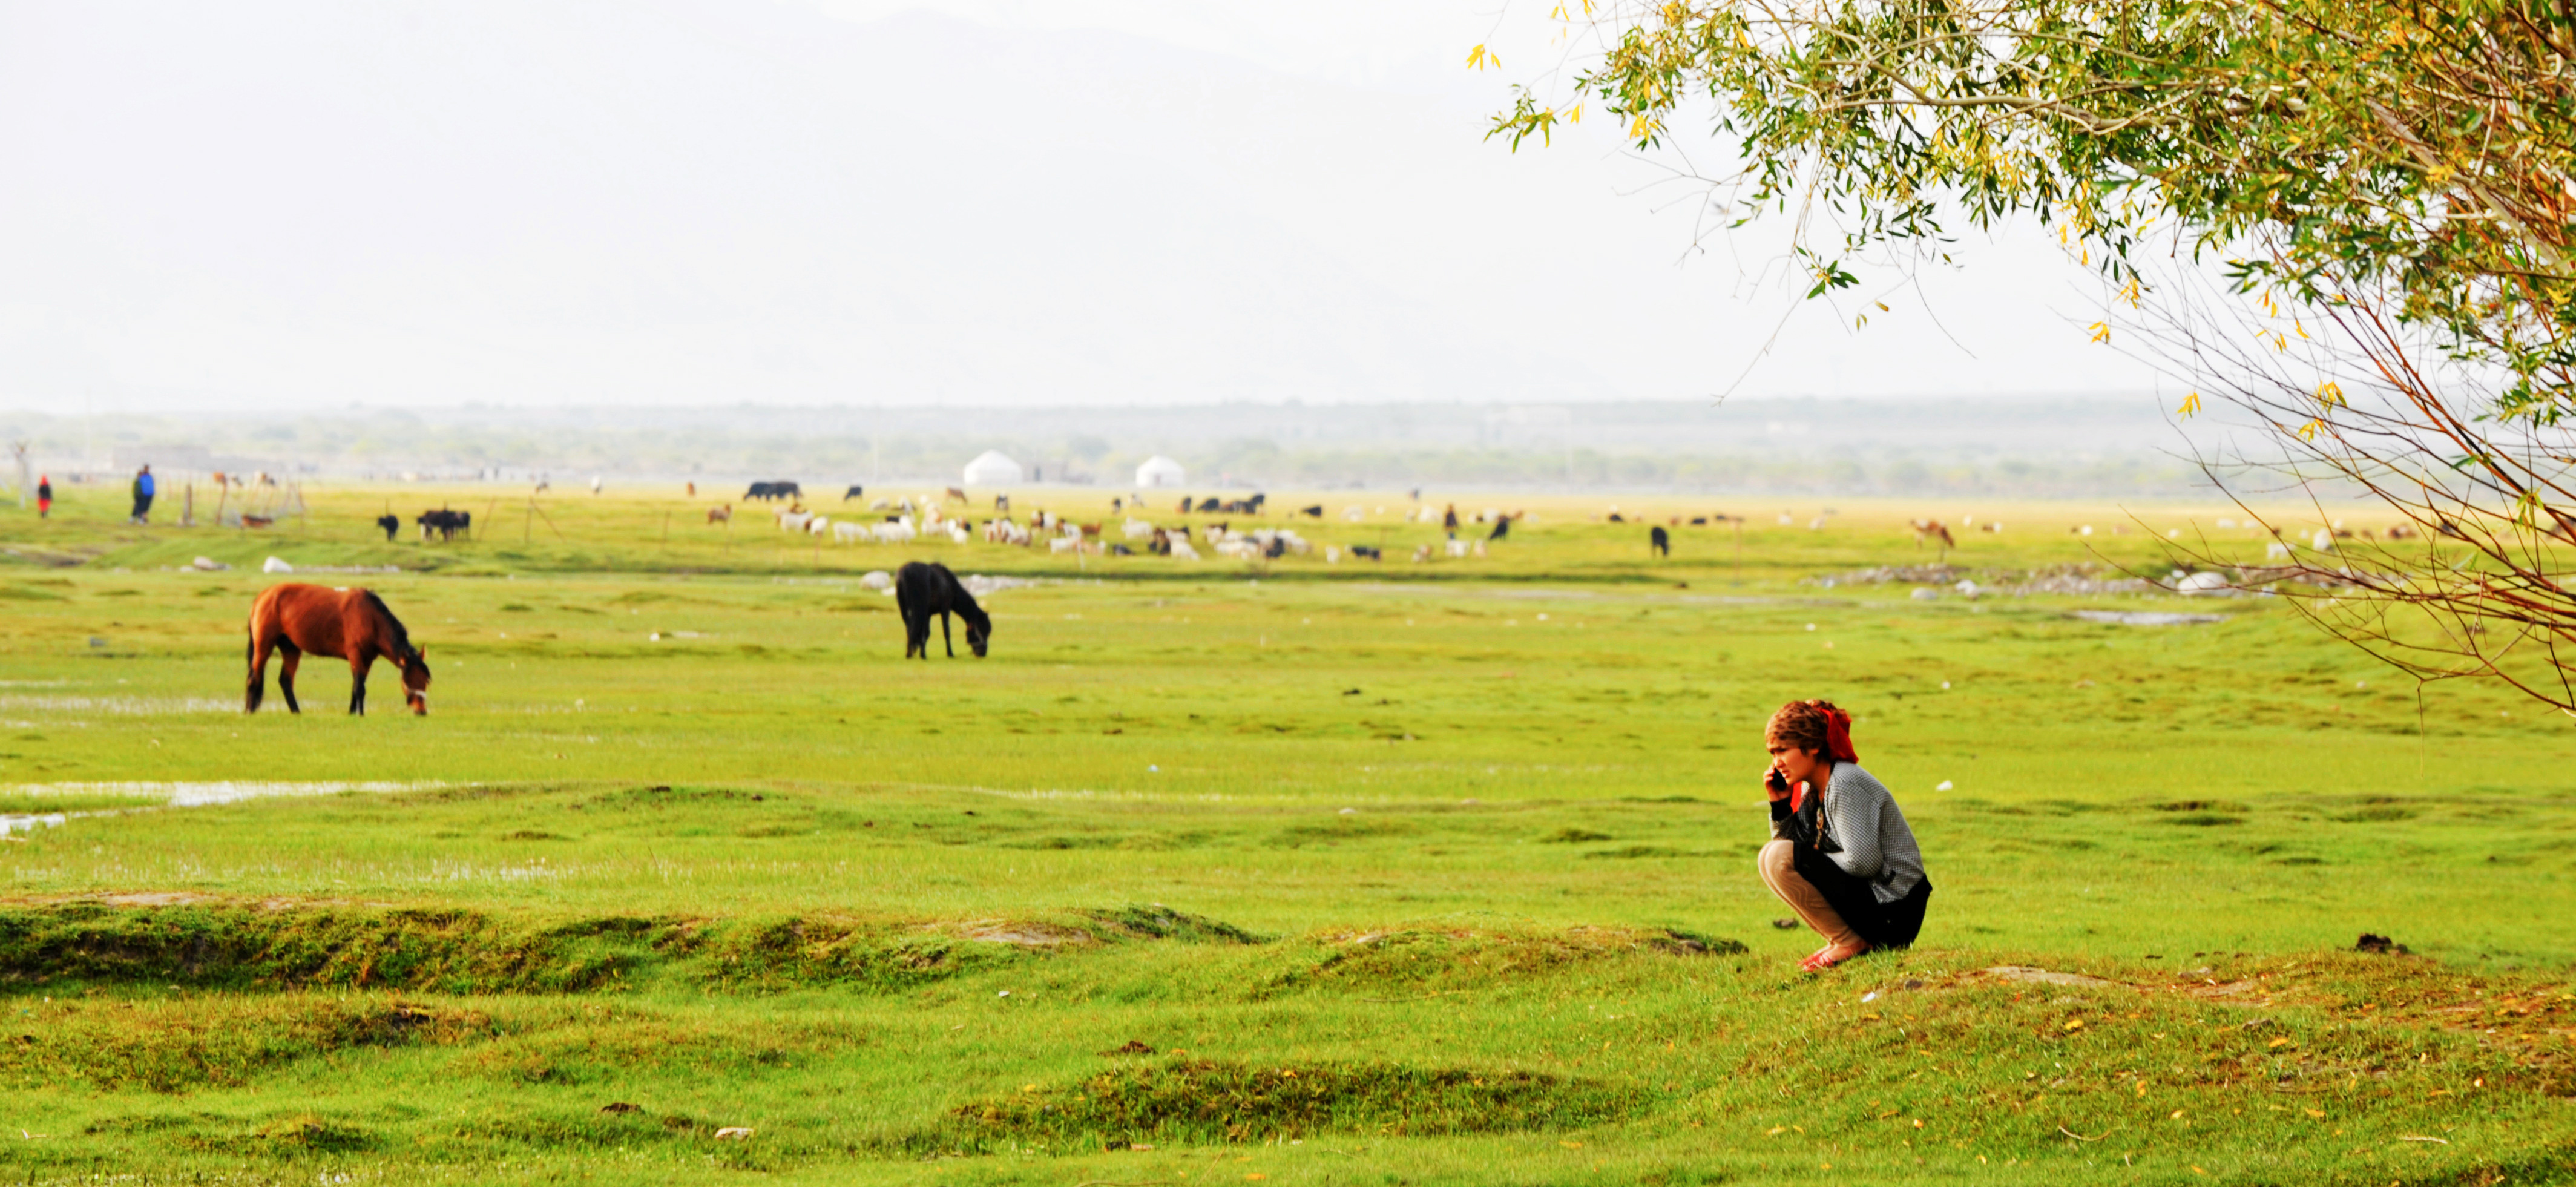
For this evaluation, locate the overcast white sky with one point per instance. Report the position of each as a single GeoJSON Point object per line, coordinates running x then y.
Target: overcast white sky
{"type": "Point", "coordinates": [281, 205]}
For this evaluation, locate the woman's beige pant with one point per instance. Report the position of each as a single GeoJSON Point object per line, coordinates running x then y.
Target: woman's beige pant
{"type": "Point", "coordinates": [1779, 865]}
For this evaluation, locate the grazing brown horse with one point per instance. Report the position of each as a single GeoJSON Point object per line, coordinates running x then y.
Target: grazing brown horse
{"type": "Point", "coordinates": [350, 624]}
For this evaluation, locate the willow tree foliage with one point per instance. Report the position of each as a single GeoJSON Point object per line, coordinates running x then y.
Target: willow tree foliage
{"type": "Point", "coordinates": [2398, 177]}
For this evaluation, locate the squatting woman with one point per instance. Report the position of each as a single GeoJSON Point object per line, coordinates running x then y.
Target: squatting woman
{"type": "Point", "coordinates": [1840, 853]}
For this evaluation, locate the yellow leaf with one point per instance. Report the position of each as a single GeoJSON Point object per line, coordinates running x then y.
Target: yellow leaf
{"type": "Point", "coordinates": [2316, 1113]}
{"type": "Point", "coordinates": [2130, 293]}
{"type": "Point", "coordinates": [2330, 394]}
{"type": "Point", "coordinates": [1575, 116]}
{"type": "Point", "coordinates": [2190, 406]}
{"type": "Point", "coordinates": [1571, 1145]}
{"type": "Point", "coordinates": [2308, 431]}
{"type": "Point", "coordinates": [2074, 1024]}
{"type": "Point", "coordinates": [2296, 324]}
{"type": "Point", "coordinates": [2101, 331]}
{"type": "Point", "coordinates": [2280, 1042]}
{"type": "Point", "coordinates": [2177, 1115]}
{"type": "Point", "coordinates": [1479, 58]}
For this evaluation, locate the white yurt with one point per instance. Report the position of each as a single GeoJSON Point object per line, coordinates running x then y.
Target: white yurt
{"type": "Point", "coordinates": [990, 468]}
{"type": "Point", "coordinates": [1159, 471]}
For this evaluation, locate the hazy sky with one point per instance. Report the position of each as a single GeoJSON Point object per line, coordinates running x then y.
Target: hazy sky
{"type": "Point", "coordinates": [276, 205]}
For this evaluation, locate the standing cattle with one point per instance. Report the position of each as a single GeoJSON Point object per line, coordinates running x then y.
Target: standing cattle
{"type": "Point", "coordinates": [923, 589]}
{"type": "Point", "coordinates": [852, 493]}
{"type": "Point", "coordinates": [391, 523]}
{"type": "Point", "coordinates": [444, 522]}
{"type": "Point", "coordinates": [772, 491]}
{"type": "Point", "coordinates": [1659, 541]}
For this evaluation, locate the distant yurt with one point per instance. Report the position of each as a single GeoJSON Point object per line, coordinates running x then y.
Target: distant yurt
{"type": "Point", "coordinates": [1159, 471]}
{"type": "Point", "coordinates": [990, 468]}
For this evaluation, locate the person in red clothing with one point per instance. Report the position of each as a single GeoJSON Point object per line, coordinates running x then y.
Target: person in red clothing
{"type": "Point", "coordinates": [44, 496]}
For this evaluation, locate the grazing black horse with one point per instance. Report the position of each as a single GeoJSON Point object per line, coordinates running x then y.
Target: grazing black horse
{"type": "Point", "coordinates": [924, 589]}
{"type": "Point", "coordinates": [1660, 541]}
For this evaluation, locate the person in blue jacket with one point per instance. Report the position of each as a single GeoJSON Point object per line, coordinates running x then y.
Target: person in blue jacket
{"type": "Point", "coordinates": [143, 488]}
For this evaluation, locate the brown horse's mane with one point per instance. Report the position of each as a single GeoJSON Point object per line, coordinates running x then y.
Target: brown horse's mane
{"type": "Point", "coordinates": [403, 650]}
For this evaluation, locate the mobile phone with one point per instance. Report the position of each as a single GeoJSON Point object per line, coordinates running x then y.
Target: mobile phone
{"type": "Point", "coordinates": [1777, 781]}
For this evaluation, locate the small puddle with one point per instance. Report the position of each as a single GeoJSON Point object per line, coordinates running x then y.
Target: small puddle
{"type": "Point", "coordinates": [2147, 618]}
{"type": "Point", "coordinates": [172, 795]}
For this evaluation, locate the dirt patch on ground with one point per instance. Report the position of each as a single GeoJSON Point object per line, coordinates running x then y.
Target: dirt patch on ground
{"type": "Point", "coordinates": [1025, 934]}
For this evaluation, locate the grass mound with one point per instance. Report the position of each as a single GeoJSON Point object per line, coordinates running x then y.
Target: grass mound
{"type": "Point", "coordinates": [231, 945]}
{"type": "Point", "coordinates": [222, 944]}
{"type": "Point", "coordinates": [1448, 961]}
{"type": "Point", "coordinates": [1159, 922]}
{"type": "Point", "coordinates": [1207, 1101]}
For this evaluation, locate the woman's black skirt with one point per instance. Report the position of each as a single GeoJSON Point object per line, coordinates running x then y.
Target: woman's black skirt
{"type": "Point", "coordinates": [1884, 925]}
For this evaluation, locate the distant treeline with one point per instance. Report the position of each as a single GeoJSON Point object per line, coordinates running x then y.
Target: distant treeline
{"type": "Point", "coordinates": [393, 444]}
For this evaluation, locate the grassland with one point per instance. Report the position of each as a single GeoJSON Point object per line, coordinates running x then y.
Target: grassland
{"type": "Point", "coordinates": [1404, 873]}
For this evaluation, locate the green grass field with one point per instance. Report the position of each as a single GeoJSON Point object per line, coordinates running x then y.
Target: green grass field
{"type": "Point", "coordinates": [1226, 872]}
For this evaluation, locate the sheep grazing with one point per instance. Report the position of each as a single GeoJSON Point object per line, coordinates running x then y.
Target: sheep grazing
{"type": "Point", "coordinates": [794, 520]}
{"type": "Point", "coordinates": [817, 526]}
{"type": "Point", "coordinates": [1137, 529]}
{"type": "Point", "coordinates": [1181, 550]}
{"type": "Point", "coordinates": [1065, 544]}
{"type": "Point", "coordinates": [2201, 584]}
{"type": "Point", "coordinates": [846, 532]}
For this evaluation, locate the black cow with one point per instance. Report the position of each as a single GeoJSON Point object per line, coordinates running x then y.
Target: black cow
{"type": "Point", "coordinates": [446, 523]}
{"type": "Point", "coordinates": [1365, 552]}
{"type": "Point", "coordinates": [852, 493]}
{"type": "Point", "coordinates": [772, 491]}
{"type": "Point", "coordinates": [1314, 512]}
{"type": "Point", "coordinates": [924, 589]}
{"type": "Point", "coordinates": [1502, 528]}
{"type": "Point", "coordinates": [1210, 505]}
{"type": "Point", "coordinates": [391, 523]}
{"type": "Point", "coordinates": [1660, 541]}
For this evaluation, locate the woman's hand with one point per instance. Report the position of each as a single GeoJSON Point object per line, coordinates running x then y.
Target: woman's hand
{"type": "Point", "coordinates": [1774, 784]}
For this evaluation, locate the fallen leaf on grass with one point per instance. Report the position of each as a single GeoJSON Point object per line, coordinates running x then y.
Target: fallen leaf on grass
{"type": "Point", "coordinates": [734, 1133]}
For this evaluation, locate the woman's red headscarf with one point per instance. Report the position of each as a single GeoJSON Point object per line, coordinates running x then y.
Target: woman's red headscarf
{"type": "Point", "coordinates": [1838, 743]}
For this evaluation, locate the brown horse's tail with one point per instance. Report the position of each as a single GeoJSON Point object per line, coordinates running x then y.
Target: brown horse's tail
{"type": "Point", "coordinates": [257, 683]}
